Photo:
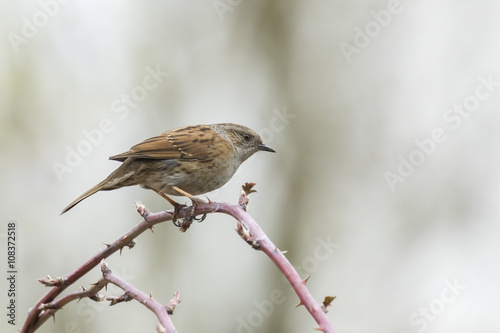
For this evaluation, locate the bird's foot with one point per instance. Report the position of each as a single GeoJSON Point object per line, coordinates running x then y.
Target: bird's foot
{"type": "Point", "coordinates": [195, 202]}
{"type": "Point", "coordinates": [191, 216]}
{"type": "Point", "coordinates": [177, 207]}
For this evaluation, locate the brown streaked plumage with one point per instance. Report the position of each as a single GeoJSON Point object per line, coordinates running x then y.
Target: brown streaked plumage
{"type": "Point", "coordinates": [197, 159]}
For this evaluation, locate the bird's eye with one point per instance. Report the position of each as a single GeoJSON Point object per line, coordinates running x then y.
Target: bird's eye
{"type": "Point", "coordinates": [246, 137]}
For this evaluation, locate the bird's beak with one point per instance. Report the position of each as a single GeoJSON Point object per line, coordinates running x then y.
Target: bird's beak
{"type": "Point", "coordinates": [264, 147]}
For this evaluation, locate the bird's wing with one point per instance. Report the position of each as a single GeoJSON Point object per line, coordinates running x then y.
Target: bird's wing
{"type": "Point", "coordinates": [185, 143]}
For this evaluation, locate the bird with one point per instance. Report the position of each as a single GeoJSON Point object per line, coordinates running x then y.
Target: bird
{"type": "Point", "coordinates": [189, 160]}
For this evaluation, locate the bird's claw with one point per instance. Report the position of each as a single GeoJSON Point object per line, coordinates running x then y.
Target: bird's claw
{"type": "Point", "coordinates": [189, 217]}
{"type": "Point", "coordinates": [177, 208]}
{"type": "Point", "coordinates": [200, 219]}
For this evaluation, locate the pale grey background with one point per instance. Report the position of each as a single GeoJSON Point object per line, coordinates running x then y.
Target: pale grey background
{"type": "Point", "coordinates": [352, 121]}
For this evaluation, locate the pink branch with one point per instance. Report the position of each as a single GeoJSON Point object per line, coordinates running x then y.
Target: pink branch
{"type": "Point", "coordinates": [247, 227]}
{"type": "Point", "coordinates": [255, 236]}
{"type": "Point", "coordinates": [38, 315]}
{"type": "Point", "coordinates": [161, 311]}
{"type": "Point", "coordinates": [49, 309]}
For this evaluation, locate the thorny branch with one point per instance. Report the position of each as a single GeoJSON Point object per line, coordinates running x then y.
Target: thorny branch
{"type": "Point", "coordinates": [247, 228]}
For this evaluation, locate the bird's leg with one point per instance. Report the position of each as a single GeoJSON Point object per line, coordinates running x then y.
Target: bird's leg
{"type": "Point", "coordinates": [189, 196]}
{"type": "Point", "coordinates": [177, 206]}
{"type": "Point", "coordinates": [196, 201]}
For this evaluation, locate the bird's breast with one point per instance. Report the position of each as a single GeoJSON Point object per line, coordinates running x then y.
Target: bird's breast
{"type": "Point", "coordinates": [194, 176]}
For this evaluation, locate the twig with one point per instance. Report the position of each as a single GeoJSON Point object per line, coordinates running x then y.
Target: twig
{"type": "Point", "coordinates": [37, 315]}
{"type": "Point", "coordinates": [49, 309]}
{"type": "Point", "coordinates": [162, 312]}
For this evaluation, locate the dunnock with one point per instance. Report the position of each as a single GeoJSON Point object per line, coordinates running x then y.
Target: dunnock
{"type": "Point", "coordinates": [187, 160]}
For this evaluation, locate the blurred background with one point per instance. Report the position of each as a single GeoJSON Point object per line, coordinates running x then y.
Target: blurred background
{"type": "Point", "coordinates": [385, 187]}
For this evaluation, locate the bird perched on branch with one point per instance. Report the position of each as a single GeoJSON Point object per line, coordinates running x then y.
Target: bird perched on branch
{"type": "Point", "coordinates": [190, 160]}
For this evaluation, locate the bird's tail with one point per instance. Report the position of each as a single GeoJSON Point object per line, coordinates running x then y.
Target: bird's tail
{"type": "Point", "coordinates": [119, 178]}
{"type": "Point", "coordinates": [110, 183]}
{"type": "Point", "coordinates": [85, 195]}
